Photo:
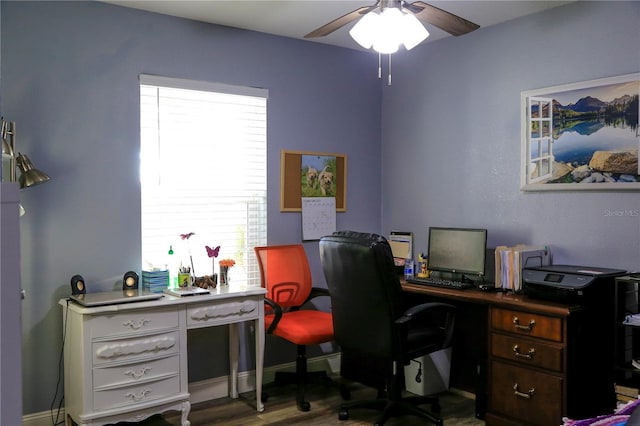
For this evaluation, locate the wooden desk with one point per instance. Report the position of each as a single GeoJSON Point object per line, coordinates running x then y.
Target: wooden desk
{"type": "Point", "coordinates": [128, 361]}
{"type": "Point", "coordinates": [535, 361]}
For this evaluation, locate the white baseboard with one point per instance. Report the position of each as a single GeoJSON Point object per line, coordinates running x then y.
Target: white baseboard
{"type": "Point", "coordinates": [218, 387]}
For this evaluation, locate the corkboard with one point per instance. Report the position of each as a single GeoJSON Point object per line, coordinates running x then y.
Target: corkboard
{"type": "Point", "coordinates": [291, 180]}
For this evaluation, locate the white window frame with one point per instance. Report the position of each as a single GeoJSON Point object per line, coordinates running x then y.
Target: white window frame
{"type": "Point", "coordinates": [539, 139]}
{"type": "Point", "coordinates": [210, 182]}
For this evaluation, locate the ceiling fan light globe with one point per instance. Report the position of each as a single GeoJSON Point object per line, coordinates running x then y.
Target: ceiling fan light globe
{"type": "Point", "coordinates": [389, 31]}
{"type": "Point", "coordinates": [386, 46]}
{"type": "Point", "coordinates": [413, 32]}
{"type": "Point", "coordinates": [364, 31]}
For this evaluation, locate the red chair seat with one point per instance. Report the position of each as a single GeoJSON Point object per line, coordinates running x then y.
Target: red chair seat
{"type": "Point", "coordinates": [303, 327]}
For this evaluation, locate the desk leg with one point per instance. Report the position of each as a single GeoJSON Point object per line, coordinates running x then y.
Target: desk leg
{"type": "Point", "coordinates": [234, 350]}
{"type": "Point", "coordinates": [259, 324]}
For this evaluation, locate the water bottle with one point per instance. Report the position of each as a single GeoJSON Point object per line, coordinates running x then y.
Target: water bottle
{"type": "Point", "coordinates": [408, 268]}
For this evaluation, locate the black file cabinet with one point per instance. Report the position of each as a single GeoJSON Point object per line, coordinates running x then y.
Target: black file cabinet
{"type": "Point", "coordinates": [627, 338]}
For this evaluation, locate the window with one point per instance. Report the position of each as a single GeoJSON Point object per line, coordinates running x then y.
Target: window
{"type": "Point", "coordinates": [540, 152]}
{"type": "Point", "coordinates": [202, 170]}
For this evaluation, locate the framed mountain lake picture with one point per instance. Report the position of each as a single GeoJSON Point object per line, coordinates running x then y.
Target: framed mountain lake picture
{"type": "Point", "coordinates": [581, 136]}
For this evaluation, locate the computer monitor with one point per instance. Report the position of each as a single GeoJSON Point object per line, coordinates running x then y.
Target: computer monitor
{"type": "Point", "coordinates": [459, 251]}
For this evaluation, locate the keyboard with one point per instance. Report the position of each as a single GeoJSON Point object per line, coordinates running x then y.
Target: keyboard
{"type": "Point", "coordinates": [438, 282]}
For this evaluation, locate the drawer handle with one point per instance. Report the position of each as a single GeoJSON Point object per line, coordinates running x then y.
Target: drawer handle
{"type": "Point", "coordinates": [516, 352]}
{"type": "Point", "coordinates": [516, 322]}
{"type": "Point", "coordinates": [137, 374]}
{"type": "Point", "coordinates": [136, 325]}
{"type": "Point", "coordinates": [138, 396]}
{"type": "Point", "coordinates": [527, 395]}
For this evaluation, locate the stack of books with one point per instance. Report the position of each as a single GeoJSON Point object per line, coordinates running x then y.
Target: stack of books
{"type": "Point", "coordinates": [155, 281]}
{"type": "Point", "coordinates": [626, 394]}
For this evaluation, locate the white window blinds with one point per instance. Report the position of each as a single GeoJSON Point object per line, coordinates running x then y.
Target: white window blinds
{"type": "Point", "coordinates": [203, 170]}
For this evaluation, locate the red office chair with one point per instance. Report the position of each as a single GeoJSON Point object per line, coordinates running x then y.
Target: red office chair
{"type": "Point", "coordinates": [285, 273]}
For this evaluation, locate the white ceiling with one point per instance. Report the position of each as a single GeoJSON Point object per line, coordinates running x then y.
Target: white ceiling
{"type": "Point", "coordinates": [295, 18]}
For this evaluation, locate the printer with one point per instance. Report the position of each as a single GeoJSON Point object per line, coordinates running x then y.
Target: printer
{"type": "Point", "coordinates": [568, 283]}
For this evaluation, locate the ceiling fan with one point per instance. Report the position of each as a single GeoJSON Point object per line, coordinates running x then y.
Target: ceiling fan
{"type": "Point", "coordinates": [397, 22]}
{"type": "Point", "coordinates": [442, 19]}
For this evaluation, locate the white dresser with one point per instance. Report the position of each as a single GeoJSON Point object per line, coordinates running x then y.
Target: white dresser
{"type": "Point", "coordinates": [126, 362]}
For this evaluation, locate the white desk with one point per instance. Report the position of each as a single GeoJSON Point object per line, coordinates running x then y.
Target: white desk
{"type": "Point", "coordinates": [127, 362]}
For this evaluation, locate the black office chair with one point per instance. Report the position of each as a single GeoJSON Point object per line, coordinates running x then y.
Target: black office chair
{"type": "Point", "coordinates": [370, 322]}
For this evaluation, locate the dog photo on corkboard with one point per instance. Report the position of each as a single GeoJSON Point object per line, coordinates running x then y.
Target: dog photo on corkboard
{"type": "Point", "coordinates": [317, 176]}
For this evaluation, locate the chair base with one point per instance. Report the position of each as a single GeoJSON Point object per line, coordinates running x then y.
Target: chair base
{"type": "Point", "coordinates": [310, 378]}
{"type": "Point", "coordinates": [391, 408]}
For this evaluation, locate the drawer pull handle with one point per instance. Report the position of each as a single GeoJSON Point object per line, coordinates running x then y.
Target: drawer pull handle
{"type": "Point", "coordinates": [527, 395]}
{"type": "Point", "coordinates": [136, 325]}
{"type": "Point", "coordinates": [137, 374]}
{"type": "Point", "coordinates": [516, 352]}
{"type": "Point", "coordinates": [516, 322]}
{"type": "Point", "coordinates": [138, 396]}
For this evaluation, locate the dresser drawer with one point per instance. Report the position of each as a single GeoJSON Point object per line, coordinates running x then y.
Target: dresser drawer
{"type": "Point", "coordinates": [134, 321]}
{"type": "Point", "coordinates": [125, 375]}
{"type": "Point", "coordinates": [527, 323]}
{"type": "Point", "coordinates": [119, 396]}
{"type": "Point", "coordinates": [520, 393]}
{"type": "Point", "coordinates": [214, 313]}
{"type": "Point", "coordinates": [532, 352]}
{"type": "Point", "coordinates": [133, 348]}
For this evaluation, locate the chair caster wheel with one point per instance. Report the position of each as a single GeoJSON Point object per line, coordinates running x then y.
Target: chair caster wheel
{"type": "Point", "coordinates": [343, 415]}
{"type": "Point", "coordinates": [264, 397]}
{"type": "Point", "coordinates": [304, 406]}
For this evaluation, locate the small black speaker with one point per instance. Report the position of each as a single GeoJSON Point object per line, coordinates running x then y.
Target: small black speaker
{"type": "Point", "coordinates": [130, 281]}
{"type": "Point", "coordinates": [77, 285]}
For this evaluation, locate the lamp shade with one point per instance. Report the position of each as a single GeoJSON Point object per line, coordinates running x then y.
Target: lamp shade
{"type": "Point", "coordinates": [387, 30]}
{"type": "Point", "coordinates": [30, 176]}
{"type": "Point", "coordinates": [414, 32]}
{"type": "Point", "coordinates": [363, 32]}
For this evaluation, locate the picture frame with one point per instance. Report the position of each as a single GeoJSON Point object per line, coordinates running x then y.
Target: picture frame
{"type": "Point", "coordinates": [581, 136]}
{"type": "Point", "coordinates": [293, 179]}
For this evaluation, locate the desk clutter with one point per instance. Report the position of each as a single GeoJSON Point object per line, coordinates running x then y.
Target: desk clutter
{"type": "Point", "coordinates": [155, 281]}
{"type": "Point", "coordinates": [510, 261]}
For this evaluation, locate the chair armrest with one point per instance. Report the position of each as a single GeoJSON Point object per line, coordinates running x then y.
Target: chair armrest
{"type": "Point", "coordinates": [277, 310]}
{"type": "Point", "coordinates": [424, 309]}
{"type": "Point", "coordinates": [427, 310]}
{"type": "Point", "coordinates": [317, 292]}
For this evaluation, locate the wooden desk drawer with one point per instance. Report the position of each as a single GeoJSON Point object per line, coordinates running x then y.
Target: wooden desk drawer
{"type": "Point", "coordinates": [528, 352]}
{"type": "Point", "coordinates": [527, 323]}
{"type": "Point", "coordinates": [134, 321]}
{"type": "Point", "coordinates": [217, 313]}
{"type": "Point", "coordinates": [525, 394]}
{"type": "Point", "coordinates": [118, 396]}
{"type": "Point", "coordinates": [126, 375]}
{"type": "Point", "coordinates": [136, 348]}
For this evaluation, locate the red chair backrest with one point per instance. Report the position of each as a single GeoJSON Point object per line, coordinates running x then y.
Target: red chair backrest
{"type": "Point", "coordinates": [285, 273]}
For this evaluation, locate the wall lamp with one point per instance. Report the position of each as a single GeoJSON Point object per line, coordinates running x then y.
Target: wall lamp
{"type": "Point", "coordinates": [29, 175]}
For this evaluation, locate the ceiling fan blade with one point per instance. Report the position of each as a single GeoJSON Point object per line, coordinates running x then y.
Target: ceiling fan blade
{"type": "Point", "coordinates": [442, 19]}
{"type": "Point", "coordinates": [340, 22]}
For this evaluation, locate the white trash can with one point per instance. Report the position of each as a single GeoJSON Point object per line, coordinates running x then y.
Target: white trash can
{"type": "Point", "coordinates": [434, 377]}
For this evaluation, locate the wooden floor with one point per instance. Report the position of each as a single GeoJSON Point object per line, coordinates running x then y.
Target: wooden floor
{"type": "Point", "coordinates": [280, 409]}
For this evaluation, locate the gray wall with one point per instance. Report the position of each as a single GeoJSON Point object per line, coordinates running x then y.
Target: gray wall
{"type": "Point", "coordinates": [70, 81]}
{"type": "Point", "coordinates": [451, 134]}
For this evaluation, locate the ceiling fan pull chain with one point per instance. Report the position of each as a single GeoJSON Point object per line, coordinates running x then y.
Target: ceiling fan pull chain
{"type": "Point", "coordinates": [389, 80]}
{"type": "Point", "coordinates": [379, 65]}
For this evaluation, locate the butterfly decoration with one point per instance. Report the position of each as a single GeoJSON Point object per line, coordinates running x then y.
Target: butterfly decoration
{"type": "Point", "coordinates": [187, 236]}
{"type": "Point", "coordinates": [212, 252]}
